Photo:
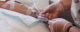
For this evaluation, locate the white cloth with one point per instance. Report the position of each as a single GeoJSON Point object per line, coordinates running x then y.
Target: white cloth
{"type": "Point", "coordinates": [2, 0]}
{"type": "Point", "coordinates": [10, 23]}
{"type": "Point", "coordinates": [75, 12]}
{"type": "Point", "coordinates": [40, 4]}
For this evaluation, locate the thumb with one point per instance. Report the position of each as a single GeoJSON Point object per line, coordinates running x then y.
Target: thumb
{"type": "Point", "coordinates": [49, 9]}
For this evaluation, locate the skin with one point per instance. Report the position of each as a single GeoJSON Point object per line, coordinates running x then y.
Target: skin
{"type": "Point", "coordinates": [18, 8]}
{"type": "Point", "coordinates": [53, 11]}
{"type": "Point", "coordinates": [74, 29]}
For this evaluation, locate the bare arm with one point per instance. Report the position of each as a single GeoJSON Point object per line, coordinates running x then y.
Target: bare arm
{"type": "Point", "coordinates": [66, 4]}
{"type": "Point", "coordinates": [54, 11]}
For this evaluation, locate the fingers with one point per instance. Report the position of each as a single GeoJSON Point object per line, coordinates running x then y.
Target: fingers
{"type": "Point", "coordinates": [50, 9]}
{"type": "Point", "coordinates": [36, 10]}
{"type": "Point", "coordinates": [44, 12]}
{"type": "Point", "coordinates": [48, 15]}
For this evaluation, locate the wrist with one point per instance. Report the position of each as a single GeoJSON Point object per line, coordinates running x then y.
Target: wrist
{"type": "Point", "coordinates": [74, 29]}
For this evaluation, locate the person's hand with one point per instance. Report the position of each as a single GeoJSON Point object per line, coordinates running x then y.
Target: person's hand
{"type": "Point", "coordinates": [53, 11]}
{"type": "Point", "coordinates": [74, 29]}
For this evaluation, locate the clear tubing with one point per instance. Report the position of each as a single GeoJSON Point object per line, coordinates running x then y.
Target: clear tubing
{"type": "Point", "coordinates": [42, 18]}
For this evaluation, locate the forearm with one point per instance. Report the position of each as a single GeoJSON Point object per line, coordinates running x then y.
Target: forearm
{"type": "Point", "coordinates": [66, 4]}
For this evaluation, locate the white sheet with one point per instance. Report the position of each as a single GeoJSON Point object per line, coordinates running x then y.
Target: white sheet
{"type": "Point", "coordinates": [8, 24]}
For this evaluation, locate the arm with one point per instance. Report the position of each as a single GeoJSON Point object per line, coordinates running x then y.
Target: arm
{"type": "Point", "coordinates": [66, 4]}
{"type": "Point", "coordinates": [54, 10]}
